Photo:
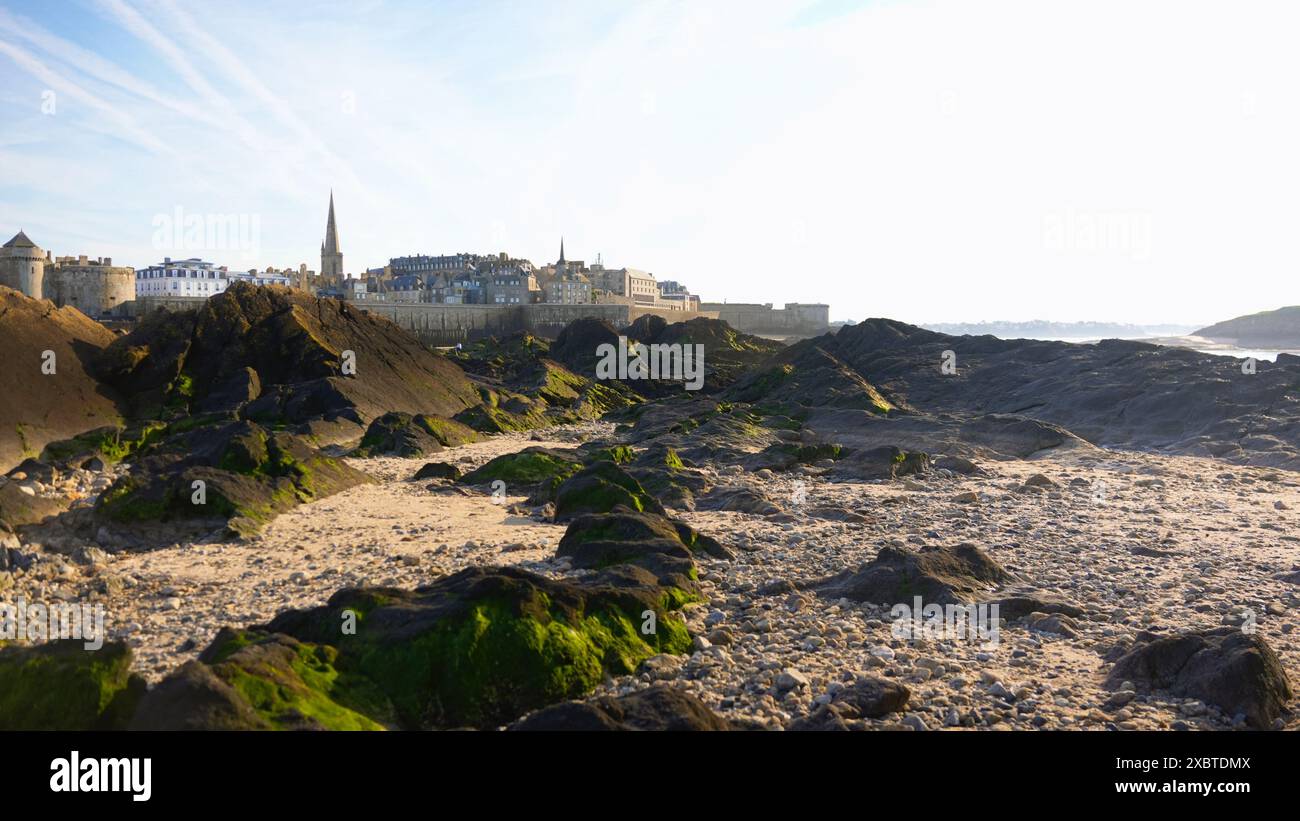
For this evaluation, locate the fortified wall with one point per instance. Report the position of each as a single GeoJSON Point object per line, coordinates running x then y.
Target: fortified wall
{"type": "Point", "coordinates": [795, 319]}
{"type": "Point", "coordinates": [96, 287]}
{"type": "Point", "coordinates": [436, 324]}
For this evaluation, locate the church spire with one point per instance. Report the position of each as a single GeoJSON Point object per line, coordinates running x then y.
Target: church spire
{"type": "Point", "coordinates": [331, 258]}
{"type": "Point", "coordinates": [561, 250]}
{"type": "Point", "coordinates": [331, 231]}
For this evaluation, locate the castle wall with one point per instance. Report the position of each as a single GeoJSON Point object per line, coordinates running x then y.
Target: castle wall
{"type": "Point", "coordinates": [23, 273]}
{"type": "Point", "coordinates": [795, 319]}
{"type": "Point", "coordinates": [439, 324]}
{"type": "Point", "coordinates": [95, 290]}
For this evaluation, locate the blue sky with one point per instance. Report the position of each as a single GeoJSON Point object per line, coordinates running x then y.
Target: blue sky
{"type": "Point", "coordinates": [926, 160]}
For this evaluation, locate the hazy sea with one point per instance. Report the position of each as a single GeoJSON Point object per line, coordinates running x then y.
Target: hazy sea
{"type": "Point", "coordinates": [1261, 354]}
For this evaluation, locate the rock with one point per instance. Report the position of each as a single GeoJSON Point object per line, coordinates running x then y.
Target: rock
{"type": "Point", "coordinates": [739, 500]}
{"type": "Point", "coordinates": [1019, 604]}
{"type": "Point", "coordinates": [958, 464]}
{"type": "Point", "coordinates": [437, 653]}
{"type": "Point", "coordinates": [245, 680]}
{"type": "Point", "coordinates": [939, 575]}
{"type": "Point", "coordinates": [791, 679]}
{"type": "Point", "coordinates": [38, 408]}
{"type": "Point", "coordinates": [599, 488]}
{"type": "Point", "coordinates": [249, 475]}
{"type": "Point", "coordinates": [20, 506]}
{"type": "Point", "coordinates": [31, 470]}
{"type": "Point", "coordinates": [60, 685]}
{"type": "Point", "coordinates": [1237, 672]}
{"type": "Point", "coordinates": [438, 470]}
{"type": "Point", "coordinates": [1039, 480]}
{"type": "Point", "coordinates": [403, 434]}
{"type": "Point", "coordinates": [527, 468]}
{"type": "Point", "coordinates": [657, 708]}
{"type": "Point", "coordinates": [868, 697]}
{"type": "Point", "coordinates": [195, 698]}
{"type": "Point", "coordinates": [1057, 623]}
{"type": "Point", "coordinates": [298, 346]}
{"type": "Point", "coordinates": [665, 546]}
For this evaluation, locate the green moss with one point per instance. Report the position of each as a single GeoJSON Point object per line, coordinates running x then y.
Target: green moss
{"type": "Point", "coordinates": [308, 689]}
{"type": "Point", "coordinates": [618, 454]}
{"type": "Point", "coordinates": [113, 444]}
{"type": "Point", "coordinates": [62, 686]}
{"type": "Point", "coordinates": [496, 661]}
{"type": "Point", "coordinates": [527, 466]}
{"type": "Point", "coordinates": [672, 460]}
{"type": "Point", "coordinates": [448, 432]}
{"type": "Point", "coordinates": [21, 430]}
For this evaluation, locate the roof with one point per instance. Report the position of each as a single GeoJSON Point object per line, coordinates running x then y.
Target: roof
{"type": "Point", "coordinates": [20, 240]}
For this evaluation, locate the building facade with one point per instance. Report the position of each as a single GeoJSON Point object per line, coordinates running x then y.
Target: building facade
{"type": "Point", "coordinates": [184, 277]}
{"type": "Point", "coordinates": [268, 277]}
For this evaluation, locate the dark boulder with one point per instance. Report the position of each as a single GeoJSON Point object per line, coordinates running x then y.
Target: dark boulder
{"type": "Point", "coordinates": [438, 470]}
{"type": "Point", "coordinates": [868, 697]}
{"type": "Point", "coordinates": [1235, 671]}
{"type": "Point", "coordinates": [939, 575]}
{"type": "Point", "coordinates": [656, 708]}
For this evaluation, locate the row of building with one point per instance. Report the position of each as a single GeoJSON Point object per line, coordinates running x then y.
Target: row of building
{"type": "Point", "coordinates": [98, 288]}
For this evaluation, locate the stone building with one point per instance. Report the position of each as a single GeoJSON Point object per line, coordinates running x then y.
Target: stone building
{"type": "Point", "coordinates": [639, 287]}
{"type": "Point", "coordinates": [506, 282]}
{"type": "Point", "coordinates": [22, 266]}
{"type": "Point", "coordinates": [565, 284]}
{"type": "Point", "coordinates": [96, 287]}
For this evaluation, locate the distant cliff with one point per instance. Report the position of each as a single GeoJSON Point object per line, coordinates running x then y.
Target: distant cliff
{"type": "Point", "coordinates": [1268, 329]}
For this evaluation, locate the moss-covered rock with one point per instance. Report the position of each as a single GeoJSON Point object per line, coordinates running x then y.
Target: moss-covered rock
{"type": "Point", "coordinates": [649, 540]}
{"type": "Point", "coordinates": [112, 443]}
{"type": "Point", "coordinates": [599, 488]}
{"type": "Point", "coordinates": [249, 476]}
{"type": "Point", "coordinates": [61, 685]}
{"type": "Point", "coordinates": [526, 467]}
{"type": "Point", "coordinates": [486, 645]}
{"type": "Point", "coordinates": [251, 680]}
{"type": "Point", "coordinates": [404, 434]}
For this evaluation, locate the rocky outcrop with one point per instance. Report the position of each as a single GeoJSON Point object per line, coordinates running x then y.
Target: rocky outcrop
{"type": "Point", "coordinates": [401, 434]}
{"type": "Point", "coordinates": [38, 407]}
{"type": "Point", "coordinates": [655, 708]}
{"type": "Point", "coordinates": [1114, 393]}
{"type": "Point", "coordinates": [303, 357]}
{"type": "Point", "coordinates": [61, 685]}
{"type": "Point", "coordinates": [666, 547]}
{"type": "Point", "coordinates": [1233, 670]}
{"type": "Point", "coordinates": [245, 474]}
{"type": "Point", "coordinates": [960, 574]}
{"type": "Point", "coordinates": [486, 645]}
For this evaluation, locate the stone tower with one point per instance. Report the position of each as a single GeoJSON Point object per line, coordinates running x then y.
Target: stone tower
{"type": "Point", "coordinates": [331, 258]}
{"type": "Point", "coordinates": [22, 266]}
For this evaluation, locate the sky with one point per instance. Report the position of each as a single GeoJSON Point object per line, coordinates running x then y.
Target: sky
{"type": "Point", "coordinates": [929, 161]}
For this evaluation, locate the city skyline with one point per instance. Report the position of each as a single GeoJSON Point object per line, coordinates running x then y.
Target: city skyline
{"type": "Point", "coordinates": [838, 151]}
